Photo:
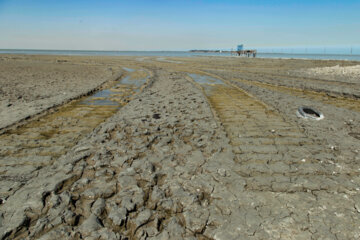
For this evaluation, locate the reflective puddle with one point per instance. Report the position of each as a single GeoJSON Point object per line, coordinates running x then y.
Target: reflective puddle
{"type": "Point", "coordinates": [113, 96]}
{"type": "Point", "coordinates": [203, 79]}
{"type": "Point", "coordinates": [137, 82]}
{"type": "Point", "coordinates": [100, 98]}
{"type": "Point", "coordinates": [207, 83]}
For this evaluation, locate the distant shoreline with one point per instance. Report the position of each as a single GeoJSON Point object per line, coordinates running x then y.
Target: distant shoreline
{"type": "Point", "coordinates": [210, 51]}
{"type": "Point", "coordinates": [190, 53]}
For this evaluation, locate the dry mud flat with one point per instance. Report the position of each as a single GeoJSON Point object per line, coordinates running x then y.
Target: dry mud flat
{"type": "Point", "coordinates": [195, 155]}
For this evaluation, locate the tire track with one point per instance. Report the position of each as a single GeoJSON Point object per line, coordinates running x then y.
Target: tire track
{"type": "Point", "coordinates": [338, 101]}
{"type": "Point", "coordinates": [273, 154]}
{"type": "Point", "coordinates": [40, 142]}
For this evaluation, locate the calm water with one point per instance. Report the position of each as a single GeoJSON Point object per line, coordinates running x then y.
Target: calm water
{"type": "Point", "coordinates": [355, 57]}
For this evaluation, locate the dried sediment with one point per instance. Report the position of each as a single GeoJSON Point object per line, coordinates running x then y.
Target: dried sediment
{"type": "Point", "coordinates": [280, 156]}
{"type": "Point", "coordinates": [151, 178]}
{"type": "Point", "coordinates": [337, 72]}
{"type": "Point", "coordinates": [164, 167]}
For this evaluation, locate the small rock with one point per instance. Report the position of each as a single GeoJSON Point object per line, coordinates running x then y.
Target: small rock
{"type": "Point", "coordinates": [334, 148]}
{"type": "Point", "coordinates": [222, 172]}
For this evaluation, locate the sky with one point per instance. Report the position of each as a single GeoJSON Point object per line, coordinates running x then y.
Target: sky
{"type": "Point", "coordinates": [177, 25]}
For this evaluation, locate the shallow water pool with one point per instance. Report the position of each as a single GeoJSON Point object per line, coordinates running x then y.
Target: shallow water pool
{"type": "Point", "coordinates": [203, 79]}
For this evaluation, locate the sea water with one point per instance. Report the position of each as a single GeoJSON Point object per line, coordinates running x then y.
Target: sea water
{"type": "Point", "coordinates": [352, 57]}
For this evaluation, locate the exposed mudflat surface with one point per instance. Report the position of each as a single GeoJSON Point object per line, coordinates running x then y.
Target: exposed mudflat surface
{"type": "Point", "coordinates": [340, 73]}
{"type": "Point", "coordinates": [204, 148]}
{"type": "Point", "coordinates": [32, 84]}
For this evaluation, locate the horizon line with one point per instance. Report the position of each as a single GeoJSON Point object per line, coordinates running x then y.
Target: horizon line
{"type": "Point", "coordinates": [184, 50]}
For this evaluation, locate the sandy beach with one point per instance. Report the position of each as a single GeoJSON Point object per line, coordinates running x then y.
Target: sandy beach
{"type": "Point", "coordinates": [178, 148]}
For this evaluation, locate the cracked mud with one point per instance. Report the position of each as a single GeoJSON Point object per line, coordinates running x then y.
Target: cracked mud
{"type": "Point", "coordinates": [207, 149]}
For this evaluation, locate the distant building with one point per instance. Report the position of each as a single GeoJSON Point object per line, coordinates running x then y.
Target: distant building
{"type": "Point", "coordinates": [240, 47]}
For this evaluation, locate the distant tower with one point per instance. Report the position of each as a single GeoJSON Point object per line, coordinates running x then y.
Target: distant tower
{"type": "Point", "coordinates": [240, 47]}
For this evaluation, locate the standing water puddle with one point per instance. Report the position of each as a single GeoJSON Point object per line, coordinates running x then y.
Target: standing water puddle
{"type": "Point", "coordinates": [136, 82]}
{"type": "Point", "coordinates": [208, 83]}
{"type": "Point", "coordinates": [203, 79]}
{"type": "Point", "coordinates": [100, 98]}
{"type": "Point", "coordinates": [40, 141]}
{"type": "Point", "coordinates": [114, 96]}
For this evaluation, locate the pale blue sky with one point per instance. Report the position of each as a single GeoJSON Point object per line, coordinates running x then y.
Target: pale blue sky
{"type": "Point", "coordinates": [177, 25]}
